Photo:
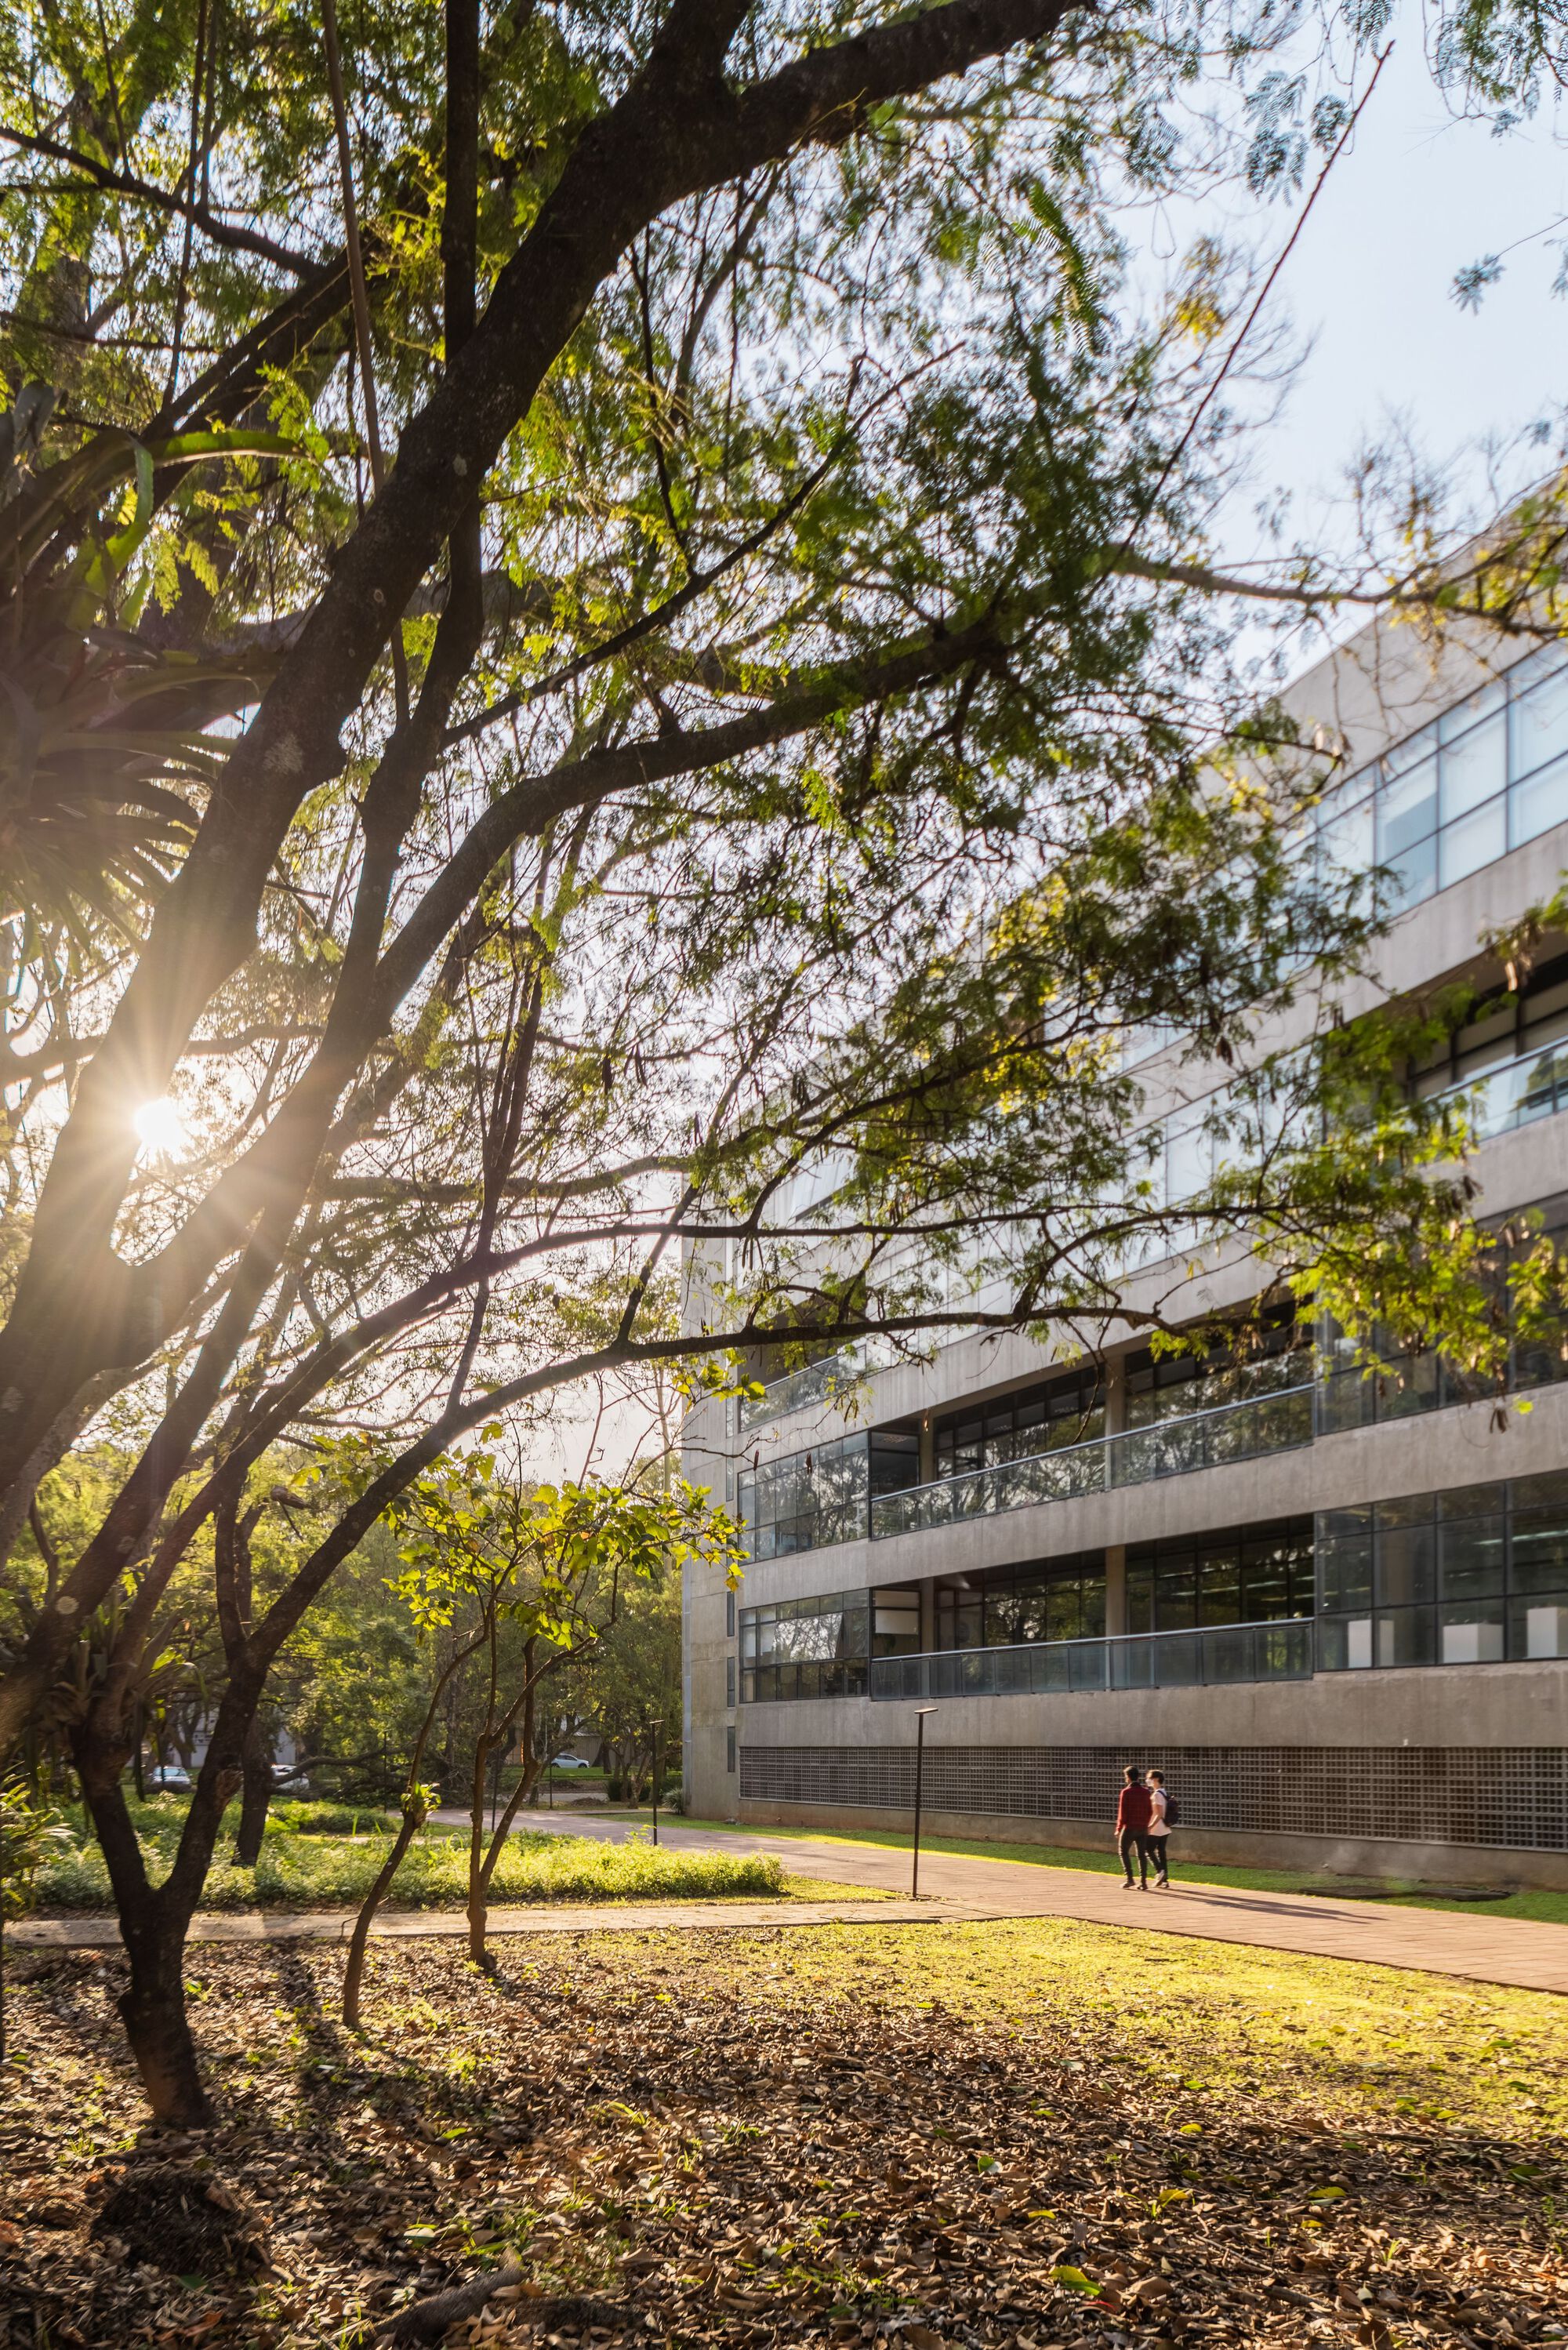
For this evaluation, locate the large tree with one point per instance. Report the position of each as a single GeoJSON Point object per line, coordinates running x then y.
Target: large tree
{"type": "Point", "coordinates": [609, 644]}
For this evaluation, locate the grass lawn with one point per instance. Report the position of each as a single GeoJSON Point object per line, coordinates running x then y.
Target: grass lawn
{"type": "Point", "coordinates": [1034, 2133]}
{"type": "Point", "coordinates": [322, 1856]}
{"type": "Point", "coordinates": [1549, 1909]}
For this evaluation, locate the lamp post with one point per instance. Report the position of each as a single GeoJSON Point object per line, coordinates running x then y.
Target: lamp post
{"type": "Point", "coordinates": [920, 1792]}
{"type": "Point", "coordinates": [656, 1783]}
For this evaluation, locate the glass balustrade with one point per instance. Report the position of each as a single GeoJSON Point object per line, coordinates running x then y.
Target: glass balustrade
{"type": "Point", "coordinates": [1278, 1650]}
{"type": "Point", "coordinates": [1168, 1448]}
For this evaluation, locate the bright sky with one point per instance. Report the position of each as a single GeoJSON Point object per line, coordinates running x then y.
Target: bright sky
{"type": "Point", "coordinates": [1416, 196]}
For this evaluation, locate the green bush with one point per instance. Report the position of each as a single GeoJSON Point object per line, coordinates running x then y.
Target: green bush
{"type": "Point", "coordinates": [307, 1818]}
{"type": "Point", "coordinates": [303, 1871]}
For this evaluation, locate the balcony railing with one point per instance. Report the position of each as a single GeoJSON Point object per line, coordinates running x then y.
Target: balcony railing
{"type": "Point", "coordinates": [1168, 1448]}
{"type": "Point", "coordinates": [1277, 1651]}
{"type": "Point", "coordinates": [812, 1383]}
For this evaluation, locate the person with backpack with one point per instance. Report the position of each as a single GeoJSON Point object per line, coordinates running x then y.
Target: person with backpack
{"type": "Point", "coordinates": [1132, 1809]}
{"type": "Point", "coordinates": [1163, 1814]}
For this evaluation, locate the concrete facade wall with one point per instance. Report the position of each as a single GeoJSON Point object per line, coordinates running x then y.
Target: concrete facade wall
{"type": "Point", "coordinates": [1374, 691]}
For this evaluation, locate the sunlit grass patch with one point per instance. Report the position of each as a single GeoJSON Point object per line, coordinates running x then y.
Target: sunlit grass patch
{"type": "Point", "coordinates": [304, 1870]}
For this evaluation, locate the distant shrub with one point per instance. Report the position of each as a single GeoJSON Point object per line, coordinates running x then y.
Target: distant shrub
{"type": "Point", "coordinates": [318, 1870]}
{"type": "Point", "coordinates": [333, 1819]}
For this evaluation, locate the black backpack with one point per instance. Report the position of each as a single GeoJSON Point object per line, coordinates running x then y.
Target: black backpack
{"type": "Point", "coordinates": [1172, 1812]}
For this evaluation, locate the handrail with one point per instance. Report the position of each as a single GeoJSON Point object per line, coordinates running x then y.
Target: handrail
{"type": "Point", "coordinates": [1275, 1648]}
{"type": "Point", "coordinates": [808, 1383]}
{"type": "Point", "coordinates": [1280, 1419]}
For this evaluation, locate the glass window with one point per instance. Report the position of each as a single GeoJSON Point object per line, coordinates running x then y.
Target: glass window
{"type": "Point", "coordinates": [1345, 1400]}
{"type": "Point", "coordinates": [1176, 1595]}
{"type": "Point", "coordinates": [1539, 721]}
{"type": "Point", "coordinates": [1471, 1501]}
{"type": "Point", "coordinates": [1404, 1635]}
{"type": "Point", "coordinates": [1348, 839]}
{"type": "Point", "coordinates": [960, 1617]}
{"type": "Point", "coordinates": [1487, 703]}
{"type": "Point", "coordinates": [1408, 804]}
{"type": "Point", "coordinates": [806, 1647]}
{"type": "Point", "coordinates": [1407, 1510]}
{"type": "Point", "coordinates": [1474, 840]}
{"type": "Point", "coordinates": [1473, 1559]}
{"type": "Point", "coordinates": [1538, 1624]}
{"type": "Point", "coordinates": [1188, 1156]}
{"type": "Point", "coordinates": [1407, 1565]}
{"type": "Point", "coordinates": [1413, 873]}
{"type": "Point", "coordinates": [1536, 806]}
{"type": "Point", "coordinates": [806, 1500]}
{"type": "Point", "coordinates": [1068, 1410]}
{"type": "Point", "coordinates": [1487, 1041]}
{"type": "Point", "coordinates": [895, 1459]}
{"type": "Point", "coordinates": [1344, 1574]}
{"type": "Point", "coordinates": [895, 1623]}
{"type": "Point", "coordinates": [1501, 1580]}
{"type": "Point", "coordinates": [1245, 1575]}
{"type": "Point", "coordinates": [1344, 1644]}
{"type": "Point", "coordinates": [1218, 1586]}
{"type": "Point", "coordinates": [730, 1754]}
{"type": "Point", "coordinates": [1540, 1548]}
{"type": "Point", "coordinates": [1472, 1633]}
{"type": "Point", "coordinates": [1473, 769]}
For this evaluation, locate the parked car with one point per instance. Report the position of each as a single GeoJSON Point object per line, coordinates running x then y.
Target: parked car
{"type": "Point", "coordinates": [168, 1779]}
{"type": "Point", "coordinates": [569, 1763]}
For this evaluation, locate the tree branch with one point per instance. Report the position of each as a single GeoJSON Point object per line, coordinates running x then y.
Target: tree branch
{"type": "Point", "coordinates": [186, 208]}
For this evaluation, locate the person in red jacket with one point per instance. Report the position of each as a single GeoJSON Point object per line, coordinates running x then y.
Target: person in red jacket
{"type": "Point", "coordinates": [1135, 1809]}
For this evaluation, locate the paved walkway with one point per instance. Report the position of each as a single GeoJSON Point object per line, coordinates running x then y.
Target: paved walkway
{"type": "Point", "coordinates": [103, 1933]}
{"type": "Point", "coordinates": [954, 1891]}
{"type": "Point", "coordinates": [1432, 1941]}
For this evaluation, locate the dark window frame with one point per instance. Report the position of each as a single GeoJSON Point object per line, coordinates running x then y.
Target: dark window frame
{"type": "Point", "coordinates": [1397, 1624]}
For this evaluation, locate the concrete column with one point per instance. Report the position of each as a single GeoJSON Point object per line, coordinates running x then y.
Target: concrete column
{"type": "Point", "coordinates": [1115, 1589]}
{"type": "Point", "coordinates": [1116, 1386]}
{"type": "Point", "coordinates": [928, 1451]}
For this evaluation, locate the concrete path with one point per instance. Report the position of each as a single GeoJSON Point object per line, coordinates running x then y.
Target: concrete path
{"type": "Point", "coordinates": [101, 1933]}
{"type": "Point", "coordinates": [1432, 1941]}
{"type": "Point", "coordinates": [953, 1890]}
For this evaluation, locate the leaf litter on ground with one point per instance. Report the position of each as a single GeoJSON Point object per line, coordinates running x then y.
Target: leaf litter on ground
{"type": "Point", "coordinates": [940, 2136]}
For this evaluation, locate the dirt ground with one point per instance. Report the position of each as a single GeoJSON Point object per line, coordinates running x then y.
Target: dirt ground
{"type": "Point", "coordinates": [976, 2135]}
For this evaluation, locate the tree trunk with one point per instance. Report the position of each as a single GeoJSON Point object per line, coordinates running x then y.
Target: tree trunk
{"type": "Point", "coordinates": [255, 1798]}
{"type": "Point", "coordinates": [414, 1820]}
{"type": "Point", "coordinates": [154, 1924]}
{"type": "Point", "coordinates": [478, 1884]}
{"type": "Point", "coordinates": [153, 2012]}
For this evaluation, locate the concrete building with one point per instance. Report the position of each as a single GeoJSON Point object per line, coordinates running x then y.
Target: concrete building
{"type": "Point", "coordinates": [1333, 1610]}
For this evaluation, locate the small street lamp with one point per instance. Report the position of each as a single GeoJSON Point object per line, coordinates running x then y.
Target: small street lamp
{"type": "Point", "coordinates": [919, 1791]}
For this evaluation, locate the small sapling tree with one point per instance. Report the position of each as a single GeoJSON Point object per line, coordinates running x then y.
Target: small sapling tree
{"type": "Point", "coordinates": [516, 1582]}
